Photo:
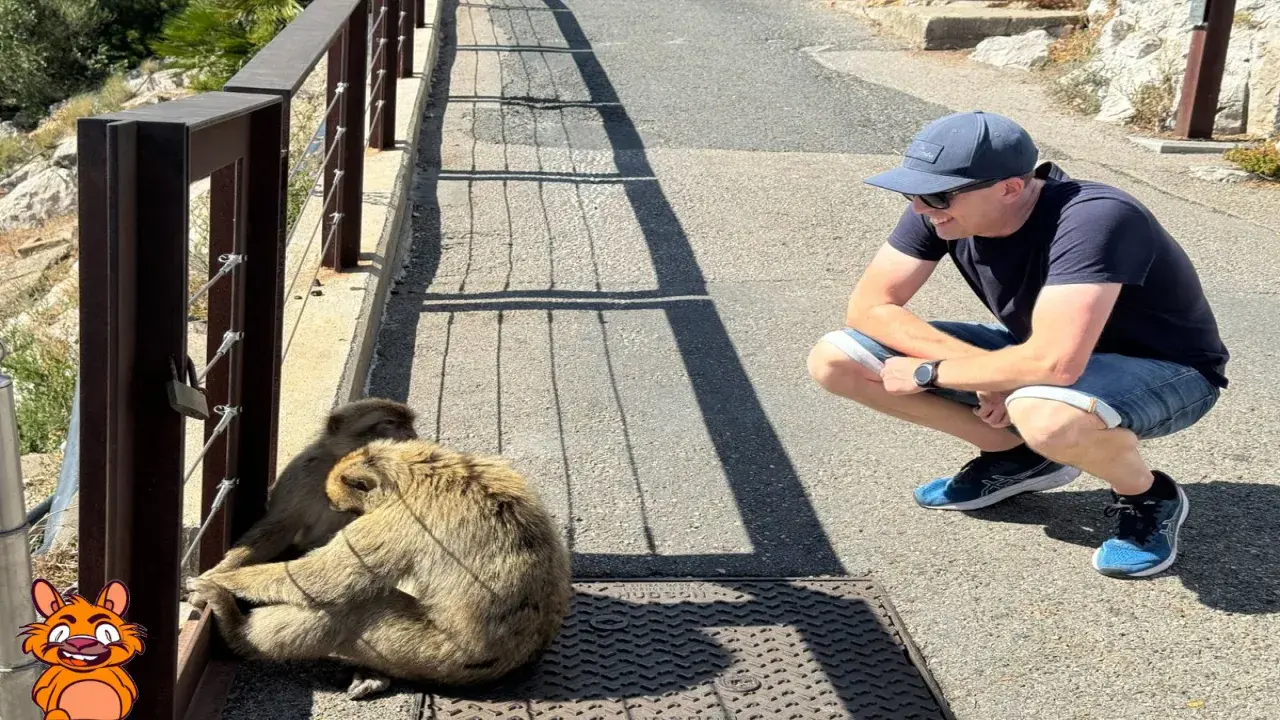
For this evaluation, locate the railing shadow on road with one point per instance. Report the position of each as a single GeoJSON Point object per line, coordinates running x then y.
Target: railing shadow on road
{"type": "Point", "coordinates": [781, 523]}
{"type": "Point", "coordinates": [786, 536]}
{"type": "Point", "coordinates": [1226, 549]}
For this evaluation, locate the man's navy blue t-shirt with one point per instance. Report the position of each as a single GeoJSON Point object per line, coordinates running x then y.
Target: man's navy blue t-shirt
{"type": "Point", "coordinates": [1088, 232]}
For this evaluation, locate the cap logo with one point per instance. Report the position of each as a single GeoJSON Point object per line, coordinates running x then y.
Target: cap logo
{"type": "Point", "coordinates": [923, 150]}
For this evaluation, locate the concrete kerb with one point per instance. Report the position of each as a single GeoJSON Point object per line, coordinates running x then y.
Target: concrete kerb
{"type": "Point", "coordinates": [946, 27]}
{"type": "Point", "coordinates": [397, 234]}
{"type": "Point", "coordinates": [330, 351]}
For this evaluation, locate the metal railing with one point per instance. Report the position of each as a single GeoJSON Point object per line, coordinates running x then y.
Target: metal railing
{"type": "Point", "coordinates": [136, 168]}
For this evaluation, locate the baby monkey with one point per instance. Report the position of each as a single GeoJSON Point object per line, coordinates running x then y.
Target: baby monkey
{"type": "Point", "coordinates": [299, 514]}
{"type": "Point", "coordinates": [453, 573]}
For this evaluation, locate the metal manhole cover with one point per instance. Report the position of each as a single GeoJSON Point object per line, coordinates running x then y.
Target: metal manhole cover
{"type": "Point", "coordinates": [808, 649]}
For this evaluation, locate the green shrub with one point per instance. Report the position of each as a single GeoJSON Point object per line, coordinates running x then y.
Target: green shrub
{"type": "Point", "coordinates": [1262, 158]}
{"type": "Point", "coordinates": [217, 37]}
{"type": "Point", "coordinates": [53, 49]}
{"type": "Point", "coordinates": [44, 369]}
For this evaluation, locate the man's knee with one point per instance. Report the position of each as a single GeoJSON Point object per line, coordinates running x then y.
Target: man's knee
{"type": "Point", "coordinates": [834, 370]}
{"type": "Point", "coordinates": [1052, 428]}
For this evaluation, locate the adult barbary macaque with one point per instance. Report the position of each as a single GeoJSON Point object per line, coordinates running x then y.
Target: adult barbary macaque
{"type": "Point", "coordinates": [453, 572]}
{"type": "Point", "coordinates": [299, 514]}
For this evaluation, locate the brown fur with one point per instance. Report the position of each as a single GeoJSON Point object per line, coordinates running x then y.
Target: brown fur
{"type": "Point", "coordinates": [453, 573]}
{"type": "Point", "coordinates": [298, 514]}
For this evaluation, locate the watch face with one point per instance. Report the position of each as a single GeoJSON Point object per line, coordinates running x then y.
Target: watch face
{"type": "Point", "coordinates": [924, 374]}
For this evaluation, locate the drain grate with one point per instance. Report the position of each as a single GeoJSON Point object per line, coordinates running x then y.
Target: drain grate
{"type": "Point", "coordinates": [808, 649]}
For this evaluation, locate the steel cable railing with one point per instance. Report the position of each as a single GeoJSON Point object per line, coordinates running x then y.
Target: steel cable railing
{"type": "Point", "coordinates": [238, 138]}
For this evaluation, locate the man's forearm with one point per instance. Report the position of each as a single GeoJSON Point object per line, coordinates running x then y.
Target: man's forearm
{"type": "Point", "coordinates": [1001, 371]}
{"type": "Point", "coordinates": [900, 329]}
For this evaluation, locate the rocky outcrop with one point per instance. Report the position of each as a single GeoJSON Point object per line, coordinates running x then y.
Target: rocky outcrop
{"type": "Point", "coordinates": [45, 188]}
{"type": "Point", "coordinates": [47, 194]}
{"type": "Point", "coordinates": [1141, 57]}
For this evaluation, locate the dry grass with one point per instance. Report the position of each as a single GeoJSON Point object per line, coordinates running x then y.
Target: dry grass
{"type": "Point", "coordinates": [62, 124]}
{"type": "Point", "coordinates": [60, 566]}
{"type": "Point", "coordinates": [59, 227]}
{"type": "Point", "coordinates": [17, 151]}
{"type": "Point", "coordinates": [40, 477]}
{"type": "Point", "coordinates": [1152, 104]}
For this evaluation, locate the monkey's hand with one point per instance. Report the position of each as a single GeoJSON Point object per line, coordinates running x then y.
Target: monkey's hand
{"type": "Point", "coordinates": [195, 599]}
{"type": "Point", "coordinates": [219, 599]}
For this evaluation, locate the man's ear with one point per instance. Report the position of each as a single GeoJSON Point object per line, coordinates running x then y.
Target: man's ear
{"type": "Point", "coordinates": [1011, 189]}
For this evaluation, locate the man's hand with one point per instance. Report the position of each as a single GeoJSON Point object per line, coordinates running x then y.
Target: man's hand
{"type": "Point", "coordinates": [898, 375]}
{"type": "Point", "coordinates": [991, 408]}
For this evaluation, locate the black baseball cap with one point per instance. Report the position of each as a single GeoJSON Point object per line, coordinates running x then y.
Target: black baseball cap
{"type": "Point", "coordinates": [958, 150]}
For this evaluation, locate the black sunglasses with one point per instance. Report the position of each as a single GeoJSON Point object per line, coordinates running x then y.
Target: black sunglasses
{"type": "Point", "coordinates": [942, 200]}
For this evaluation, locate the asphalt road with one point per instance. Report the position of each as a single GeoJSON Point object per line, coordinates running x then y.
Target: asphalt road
{"type": "Point", "coordinates": [626, 243]}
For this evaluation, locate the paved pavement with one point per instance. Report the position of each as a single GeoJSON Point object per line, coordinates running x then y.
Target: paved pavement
{"type": "Point", "coordinates": [624, 248]}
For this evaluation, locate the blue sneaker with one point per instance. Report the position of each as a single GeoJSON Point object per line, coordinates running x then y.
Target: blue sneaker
{"type": "Point", "coordinates": [993, 477]}
{"type": "Point", "coordinates": [1146, 538]}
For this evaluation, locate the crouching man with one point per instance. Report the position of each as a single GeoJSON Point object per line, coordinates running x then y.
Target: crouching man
{"type": "Point", "coordinates": [1103, 336]}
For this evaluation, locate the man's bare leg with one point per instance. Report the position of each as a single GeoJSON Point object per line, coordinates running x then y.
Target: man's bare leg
{"type": "Point", "coordinates": [843, 376]}
{"type": "Point", "coordinates": [1006, 466]}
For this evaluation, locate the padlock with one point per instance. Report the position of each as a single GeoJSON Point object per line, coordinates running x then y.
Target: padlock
{"type": "Point", "coordinates": [187, 399]}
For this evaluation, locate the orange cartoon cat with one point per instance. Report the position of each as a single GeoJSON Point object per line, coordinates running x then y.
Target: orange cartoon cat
{"type": "Point", "coordinates": [84, 645]}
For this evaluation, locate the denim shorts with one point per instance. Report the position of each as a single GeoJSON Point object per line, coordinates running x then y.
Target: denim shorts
{"type": "Point", "coordinates": [1152, 398]}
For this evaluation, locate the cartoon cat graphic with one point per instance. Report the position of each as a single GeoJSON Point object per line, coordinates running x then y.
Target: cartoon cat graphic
{"type": "Point", "coordinates": [85, 644]}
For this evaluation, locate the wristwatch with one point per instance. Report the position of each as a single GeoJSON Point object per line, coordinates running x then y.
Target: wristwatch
{"type": "Point", "coordinates": [926, 374]}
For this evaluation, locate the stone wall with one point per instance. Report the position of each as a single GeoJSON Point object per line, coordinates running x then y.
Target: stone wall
{"type": "Point", "coordinates": [1146, 43]}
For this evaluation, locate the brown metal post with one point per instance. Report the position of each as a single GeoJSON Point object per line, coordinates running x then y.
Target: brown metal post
{"type": "Point", "coordinates": [349, 235]}
{"type": "Point", "coordinates": [383, 79]}
{"type": "Point", "coordinates": [408, 21]}
{"type": "Point", "coordinates": [333, 199]}
{"type": "Point", "coordinates": [421, 12]}
{"type": "Point", "coordinates": [158, 430]}
{"type": "Point", "coordinates": [1202, 83]}
{"type": "Point", "coordinates": [264, 244]}
{"type": "Point", "coordinates": [107, 182]}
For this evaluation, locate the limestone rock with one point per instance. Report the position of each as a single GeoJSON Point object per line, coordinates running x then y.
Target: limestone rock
{"type": "Point", "coordinates": [8, 130]}
{"type": "Point", "coordinates": [1097, 9]}
{"type": "Point", "coordinates": [65, 155]}
{"type": "Point", "coordinates": [1140, 30]}
{"type": "Point", "coordinates": [1027, 51]}
{"type": "Point", "coordinates": [45, 195]}
{"type": "Point", "coordinates": [1217, 173]}
{"type": "Point", "coordinates": [25, 273]}
{"type": "Point", "coordinates": [1114, 32]}
{"type": "Point", "coordinates": [1264, 83]}
{"type": "Point", "coordinates": [1138, 45]}
{"type": "Point", "coordinates": [160, 81]}
{"type": "Point", "coordinates": [24, 173]}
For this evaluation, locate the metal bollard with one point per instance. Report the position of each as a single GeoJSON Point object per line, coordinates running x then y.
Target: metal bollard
{"type": "Point", "coordinates": [18, 671]}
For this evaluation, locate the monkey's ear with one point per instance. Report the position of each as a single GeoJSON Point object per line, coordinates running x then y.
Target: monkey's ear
{"type": "Point", "coordinates": [334, 424]}
{"type": "Point", "coordinates": [360, 483]}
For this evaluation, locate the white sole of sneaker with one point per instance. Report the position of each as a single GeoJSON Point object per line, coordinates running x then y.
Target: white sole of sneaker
{"type": "Point", "coordinates": [1173, 546]}
{"type": "Point", "coordinates": [1044, 482]}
